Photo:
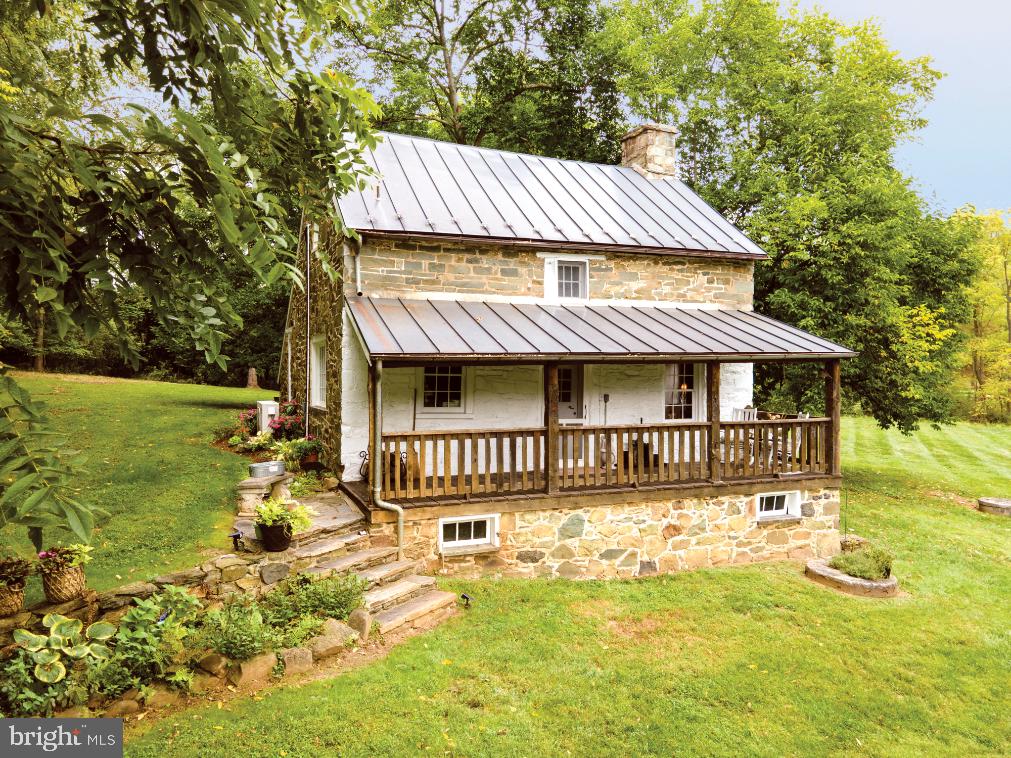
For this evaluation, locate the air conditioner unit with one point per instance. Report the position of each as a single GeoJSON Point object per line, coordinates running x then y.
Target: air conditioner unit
{"type": "Point", "coordinates": [266, 411]}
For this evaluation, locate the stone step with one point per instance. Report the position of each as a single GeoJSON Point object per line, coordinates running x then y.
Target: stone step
{"type": "Point", "coordinates": [324, 550]}
{"type": "Point", "coordinates": [413, 610]}
{"type": "Point", "coordinates": [397, 593]}
{"type": "Point", "coordinates": [358, 561]}
{"type": "Point", "coordinates": [385, 573]}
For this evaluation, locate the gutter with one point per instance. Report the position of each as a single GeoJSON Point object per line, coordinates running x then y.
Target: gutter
{"type": "Point", "coordinates": [377, 464]}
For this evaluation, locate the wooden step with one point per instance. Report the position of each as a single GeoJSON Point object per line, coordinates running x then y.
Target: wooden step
{"type": "Point", "coordinates": [400, 591]}
{"type": "Point", "coordinates": [385, 573]}
{"type": "Point", "coordinates": [412, 610]}
{"type": "Point", "coordinates": [316, 552]}
{"type": "Point", "coordinates": [359, 561]}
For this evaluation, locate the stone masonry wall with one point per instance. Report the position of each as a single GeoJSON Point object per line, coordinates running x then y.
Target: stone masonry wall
{"type": "Point", "coordinates": [325, 318]}
{"type": "Point", "coordinates": [649, 535]}
{"type": "Point", "coordinates": [394, 267]}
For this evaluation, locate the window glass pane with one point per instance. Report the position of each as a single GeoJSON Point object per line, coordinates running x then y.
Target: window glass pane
{"type": "Point", "coordinates": [480, 530]}
{"type": "Point", "coordinates": [464, 530]}
{"type": "Point", "coordinates": [571, 276]}
{"type": "Point", "coordinates": [679, 391]}
{"type": "Point", "coordinates": [443, 387]}
{"type": "Point", "coordinates": [449, 532]}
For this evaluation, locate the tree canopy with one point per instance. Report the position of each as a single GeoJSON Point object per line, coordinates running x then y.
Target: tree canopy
{"type": "Point", "coordinates": [788, 124]}
{"type": "Point", "coordinates": [95, 208]}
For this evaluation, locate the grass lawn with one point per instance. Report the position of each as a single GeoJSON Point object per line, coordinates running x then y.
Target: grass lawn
{"type": "Point", "coordinates": [170, 494]}
{"type": "Point", "coordinates": [750, 661]}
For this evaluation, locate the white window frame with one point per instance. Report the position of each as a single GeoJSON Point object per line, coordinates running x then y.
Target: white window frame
{"type": "Point", "coordinates": [491, 541]}
{"type": "Point", "coordinates": [466, 408]}
{"type": "Point", "coordinates": [791, 506]}
{"type": "Point", "coordinates": [317, 372]}
{"type": "Point", "coordinates": [551, 276]}
{"type": "Point", "coordinates": [699, 392]}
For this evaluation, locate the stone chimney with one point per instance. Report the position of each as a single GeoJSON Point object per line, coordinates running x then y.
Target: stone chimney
{"type": "Point", "coordinates": [650, 149]}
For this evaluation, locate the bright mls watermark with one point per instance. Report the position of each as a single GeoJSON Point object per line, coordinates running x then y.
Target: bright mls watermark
{"type": "Point", "coordinates": [82, 738]}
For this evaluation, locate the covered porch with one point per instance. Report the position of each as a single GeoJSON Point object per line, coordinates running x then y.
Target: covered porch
{"type": "Point", "coordinates": [568, 455]}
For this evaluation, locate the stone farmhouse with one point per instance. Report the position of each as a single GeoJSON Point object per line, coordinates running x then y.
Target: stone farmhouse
{"type": "Point", "coordinates": [539, 367]}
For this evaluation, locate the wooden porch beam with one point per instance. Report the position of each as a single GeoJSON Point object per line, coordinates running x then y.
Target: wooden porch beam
{"type": "Point", "coordinates": [551, 427]}
{"type": "Point", "coordinates": [713, 417]}
{"type": "Point", "coordinates": [833, 409]}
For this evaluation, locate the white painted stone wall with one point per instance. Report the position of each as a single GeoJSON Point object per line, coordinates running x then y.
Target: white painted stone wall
{"type": "Point", "coordinates": [354, 401]}
{"type": "Point", "coordinates": [507, 397]}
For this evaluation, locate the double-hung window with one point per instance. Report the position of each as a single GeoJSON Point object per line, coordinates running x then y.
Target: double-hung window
{"type": "Point", "coordinates": [317, 372]}
{"type": "Point", "coordinates": [679, 392]}
{"type": "Point", "coordinates": [566, 277]}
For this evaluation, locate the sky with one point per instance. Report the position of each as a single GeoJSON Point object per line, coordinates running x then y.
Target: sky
{"type": "Point", "coordinates": [964, 154]}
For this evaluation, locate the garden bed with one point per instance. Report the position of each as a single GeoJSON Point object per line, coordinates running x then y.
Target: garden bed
{"type": "Point", "coordinates": [821, 572]}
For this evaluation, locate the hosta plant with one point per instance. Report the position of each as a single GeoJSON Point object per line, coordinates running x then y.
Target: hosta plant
{"type": "Point", "coordinates": [67, 641]}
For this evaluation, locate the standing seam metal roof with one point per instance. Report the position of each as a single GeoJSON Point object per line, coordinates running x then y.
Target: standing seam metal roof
{"type": "Point", "coordinates": [442, 188]}
{"type": "Point", "coordinates": [393, 328]}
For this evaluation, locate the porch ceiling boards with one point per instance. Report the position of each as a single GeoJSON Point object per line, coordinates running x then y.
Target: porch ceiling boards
{"type": "Point", "coordinates": [442, 189]}
{"type": "Point", "coordinates": [404, 330]}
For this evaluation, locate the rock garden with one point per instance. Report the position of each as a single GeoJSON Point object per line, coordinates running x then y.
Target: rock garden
{"type": "Point", "coordinates": [171, 644]}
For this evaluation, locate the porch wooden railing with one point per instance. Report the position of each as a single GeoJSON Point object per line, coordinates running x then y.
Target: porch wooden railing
{"type": "Point", "coordinates": [461, 463]}
{"type": "Point", "coordinates": [606, 456]}
{"type": "Point", "coordinates": [756, 449]}
{"type": "Point", "coordinates": [469, 462]}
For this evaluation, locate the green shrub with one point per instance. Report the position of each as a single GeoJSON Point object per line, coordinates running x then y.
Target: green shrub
{"type": "Point", "coordinates": [304, 485]}
{"type": "Point", "coordinates": [151, 635]}
{"type": "Point", "coordinates": [306, 595]}
{"type": "Point", "coordinates": [300, 631]}
{"type": "Point", "coordinates": [237, 630]}
{"type": "Point", "coordinates": [867, 562]}
{"type": "Point", "coordinates": [110, 678]}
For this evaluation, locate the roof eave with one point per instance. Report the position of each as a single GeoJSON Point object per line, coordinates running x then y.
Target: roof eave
{"type": "Point", "coordinates": [613, 358]}
{"type": "Point", "coordinates": [565, 245]}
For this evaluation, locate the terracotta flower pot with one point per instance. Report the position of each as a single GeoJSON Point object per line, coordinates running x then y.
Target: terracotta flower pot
{"type": "Point", "coordinates": [276, 538]}
{"type": "Point", "coordinates": [12, 599]}
{"type": "Point", "coordinates": [311, 458]}
{"type": "Point", "coordinates": [61, 586]}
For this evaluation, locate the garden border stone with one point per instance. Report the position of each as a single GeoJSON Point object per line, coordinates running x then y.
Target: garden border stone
{"type": "Point", "coordinates": [819, 571]}
{"type": "Point", "coordinates": [998, 506]}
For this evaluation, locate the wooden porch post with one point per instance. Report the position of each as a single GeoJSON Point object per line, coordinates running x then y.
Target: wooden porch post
{"type": "Point", "coordinates": [713, 416]}
{"type": "Point", "coordinates": [551, 427]}
{"type": "Point", "coordinates": [833, 411]}
{"type": "Point", "coordinates": [372, 452]}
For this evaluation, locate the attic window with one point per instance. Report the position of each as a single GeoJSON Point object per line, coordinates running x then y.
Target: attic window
{"type": "Point", "coordinates": [566, 278]}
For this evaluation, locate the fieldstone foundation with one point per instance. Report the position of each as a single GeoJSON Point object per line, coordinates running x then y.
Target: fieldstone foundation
{"type": "Point", "coordinates": [652, 535]}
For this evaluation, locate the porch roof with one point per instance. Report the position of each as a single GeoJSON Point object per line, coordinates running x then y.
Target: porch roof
{"type": "Point", "coordinates": [397, 329]}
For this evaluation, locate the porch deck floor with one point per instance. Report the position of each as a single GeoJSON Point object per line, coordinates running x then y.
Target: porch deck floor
{"type": "Point", "coordinates": [358, 491]}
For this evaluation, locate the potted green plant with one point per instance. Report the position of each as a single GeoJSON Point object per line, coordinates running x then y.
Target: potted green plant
{"type": "Point", "coordinates": [277, 520]}
{"type": "Point", "coordinates": [62, 570]}
{"type": "Point", "coordinates": [13, 573]}
{"type": "Point", "coordinates": [309, 450]}
{"type": "Point", "coordinates": [299, 452]}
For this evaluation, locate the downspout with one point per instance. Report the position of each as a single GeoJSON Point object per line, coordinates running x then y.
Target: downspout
{"type": "Point", "coordinates": [308, 323]}
{"type": "Point", "coordinates": [356, 251]}
{"type": "Point", "coordinates": [377, 464]}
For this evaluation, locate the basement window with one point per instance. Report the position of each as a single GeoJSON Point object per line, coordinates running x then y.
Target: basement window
{"type": "Point", "coordinates": [779, 505]}
{"type": "Point", "coordinates": [459, 534]}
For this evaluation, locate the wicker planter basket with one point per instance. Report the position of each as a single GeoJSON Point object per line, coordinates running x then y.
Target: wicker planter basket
{"type": "Point", "coordinates": [64, 585]}
{"type": "Point", "coordinates": [11, 600]}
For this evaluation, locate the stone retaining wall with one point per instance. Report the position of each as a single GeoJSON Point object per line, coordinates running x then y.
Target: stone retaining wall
{"type": "Point", "coordinates": [652, 534]}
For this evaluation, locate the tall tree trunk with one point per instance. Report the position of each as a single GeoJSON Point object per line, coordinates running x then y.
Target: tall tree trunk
{"type": "Point", "coordinates": [40, 340]}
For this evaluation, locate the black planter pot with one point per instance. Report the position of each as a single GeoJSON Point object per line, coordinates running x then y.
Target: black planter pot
{"type": "Point", "coordinates": [276, 538]}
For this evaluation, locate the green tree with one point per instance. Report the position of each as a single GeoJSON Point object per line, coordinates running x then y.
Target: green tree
{"type": "Point", "coordinates": [523, 75]}
{"type": "Point", "coordinates": [989, 329]}
{"type": "Point", "coordinates": [788, 122]}
{"type": "Point", "coordinates": [95, 207]}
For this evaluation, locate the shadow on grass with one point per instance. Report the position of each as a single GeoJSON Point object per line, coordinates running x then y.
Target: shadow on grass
{"type": "Point", "coordinates": [216, 404]}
